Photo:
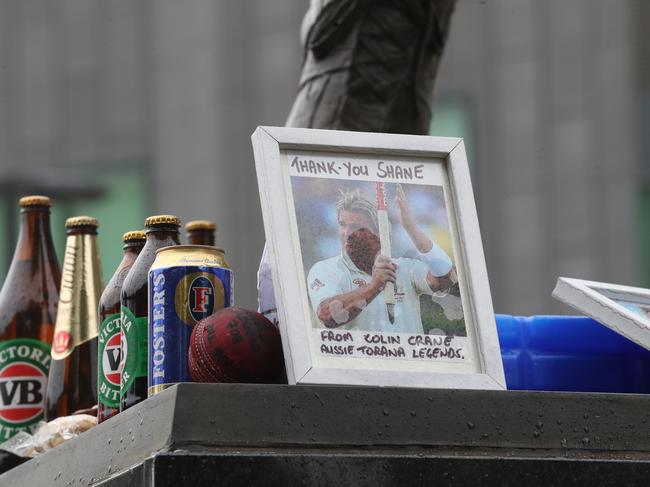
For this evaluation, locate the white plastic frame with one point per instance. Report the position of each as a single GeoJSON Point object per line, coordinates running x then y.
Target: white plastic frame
{"type": "Point", "coordinates": [599, 301]}
{"type": "Point", "coordinates": [269, 143]}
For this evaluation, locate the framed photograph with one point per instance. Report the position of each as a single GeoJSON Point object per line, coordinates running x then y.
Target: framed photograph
{"type": "Point", "coordinates": [376, 257]}
{"type": "Point", "coordinates": [624, 309]}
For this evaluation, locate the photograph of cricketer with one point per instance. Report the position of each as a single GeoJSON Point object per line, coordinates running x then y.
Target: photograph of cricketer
{"type": "Point", "coordinates": [378, 256]}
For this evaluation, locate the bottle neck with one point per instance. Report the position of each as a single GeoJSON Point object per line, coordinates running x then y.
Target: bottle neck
{"type": "Point", "coordinates": [162, 236]}
{"type": "Point", "coordinates": [82, 230]}
{"type": "Point", "coordinates": [35, 237]}
{"type": "Point", "coordinates": [201, 237]}
{"type": "Point", "coordinates": [133, 248]}
{"type": "Point", "coordinates": [131, 252]}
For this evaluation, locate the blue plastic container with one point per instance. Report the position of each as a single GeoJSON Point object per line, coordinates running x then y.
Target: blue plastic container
{"type": "Point", "coordinates": [570, 353]}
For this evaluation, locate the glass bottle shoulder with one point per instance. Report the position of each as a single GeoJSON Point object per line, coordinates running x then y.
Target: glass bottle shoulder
{"type": "Point", "coordinates": [137, 277]}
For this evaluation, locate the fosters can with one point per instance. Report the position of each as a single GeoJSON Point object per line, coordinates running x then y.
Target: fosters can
{"type": "Point", "coordinates": [186, 284]}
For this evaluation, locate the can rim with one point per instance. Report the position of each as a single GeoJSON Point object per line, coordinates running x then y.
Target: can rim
{"type": "Point", "coordinates": [190, 247]}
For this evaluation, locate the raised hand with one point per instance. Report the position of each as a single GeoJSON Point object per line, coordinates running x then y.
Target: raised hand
{"type": "Point", "coordinates": [407, 220]}
{"type": "Point", "coordinates": [406, 217]}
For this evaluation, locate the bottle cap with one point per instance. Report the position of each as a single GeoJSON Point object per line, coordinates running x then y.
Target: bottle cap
{"type": "Point", "coordinates": [200, 225]}
{"type": "Point", "coordinates": [162, 220]}
{"type": "Point", "coordinates": [81, 221]}
{"type": "Point", "coordinates": [34, 200]}
{"type": "Point", "coordinates": [134, 236]}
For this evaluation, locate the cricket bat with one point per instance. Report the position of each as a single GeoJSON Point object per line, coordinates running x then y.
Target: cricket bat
{"type": "Point", "coordinates": [384, 242]}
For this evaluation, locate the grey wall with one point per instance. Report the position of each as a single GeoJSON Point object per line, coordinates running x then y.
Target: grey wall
{"type": "Point", "coordinates": [74, 82]}
{"type": "Point", "coordinates": [178, 86]}
{"type": "Point", "coordinates": [219, 70]}
{"type": "Point", "coordinates": [551, 90]}
{"type": "Point", "coordinates": [181, 85]}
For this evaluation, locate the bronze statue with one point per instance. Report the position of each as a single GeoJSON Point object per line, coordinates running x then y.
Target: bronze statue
{"type": "Point", "coordinates": [370, 65]}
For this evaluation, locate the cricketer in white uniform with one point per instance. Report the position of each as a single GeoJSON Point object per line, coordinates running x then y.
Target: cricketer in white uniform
{"type": "Point", "coordinates": [344, 296]}
{"type": "Point", "coordinates": [338, 275]}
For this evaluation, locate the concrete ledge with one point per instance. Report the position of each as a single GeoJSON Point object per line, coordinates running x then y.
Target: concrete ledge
{"type": "Point", "coordinates": [322, 416]}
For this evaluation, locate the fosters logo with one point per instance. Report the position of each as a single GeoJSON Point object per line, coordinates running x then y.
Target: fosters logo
{"type": "Point", "coordinates": [197, 296]}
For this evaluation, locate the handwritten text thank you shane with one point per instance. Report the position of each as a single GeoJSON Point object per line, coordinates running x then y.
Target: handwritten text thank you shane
{"type": "Point", "coordinates": [365, 170]}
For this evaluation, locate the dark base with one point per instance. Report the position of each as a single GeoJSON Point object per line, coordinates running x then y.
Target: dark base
{"type": "Point", "coordinates": [199, 434]}
{"type": "Point", "coordinates": [246, 469]}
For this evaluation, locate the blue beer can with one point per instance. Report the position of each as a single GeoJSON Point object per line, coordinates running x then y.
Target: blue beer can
{"type": "Point", "coordinates": [186, 284]}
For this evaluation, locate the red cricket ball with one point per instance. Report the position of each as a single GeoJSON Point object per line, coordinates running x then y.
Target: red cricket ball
{"type": "Point", "coordinates": [235, 345]}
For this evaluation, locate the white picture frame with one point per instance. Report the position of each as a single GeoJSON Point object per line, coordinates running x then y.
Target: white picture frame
{"type": "Point", "coordinates": [624, 309]}
{"type": "Point", "coordinates": [308, 353]}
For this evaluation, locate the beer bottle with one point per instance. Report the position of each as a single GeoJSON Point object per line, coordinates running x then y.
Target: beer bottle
{"type": "Point", "coordinates": [109, 353]}
{"type": "Point", "coordinates": [201, 232]}
{"type": "Point", "coordinates": [72, 383]}
{"type": "Point", "coordinates": [28, 303]}
{"type": "Point", "coordinates": [162, 231]}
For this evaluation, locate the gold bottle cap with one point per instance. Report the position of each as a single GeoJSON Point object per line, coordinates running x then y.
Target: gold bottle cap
{"type": "Point", "coordinates": [134, 236]}
{"type": "Point", "coordinates": [200, 225]}
{"type": "Point", "coordinates": [34, 200]}
{"type": "Point", "coordinates": [162, 220]}
{"type": "Point", "coordinates": [81, 221]}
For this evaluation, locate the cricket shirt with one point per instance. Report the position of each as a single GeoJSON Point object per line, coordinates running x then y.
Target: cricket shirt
{"type": "Point", "coordinates": [338, 275]}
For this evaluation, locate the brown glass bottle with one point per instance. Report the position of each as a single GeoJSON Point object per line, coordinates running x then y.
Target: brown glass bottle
{"type": "Point", "coordinates": [28, 303]}
{"type": "Point", "coordinates": [108, 342]}
{"type": "Point", "coordinates": [201, 232]}
{"type": "Point", "coordinates": [72, 382]}
{"type": "Point", "coordinates": [162, 231]}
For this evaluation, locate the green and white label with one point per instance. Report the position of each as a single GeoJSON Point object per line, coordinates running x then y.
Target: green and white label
{"type": "Point", "coordinates": [24, 364]}
{"type": "Point", "coordinates": [135, 348]}
{"type": "Point", "coordinates": [108, 361]}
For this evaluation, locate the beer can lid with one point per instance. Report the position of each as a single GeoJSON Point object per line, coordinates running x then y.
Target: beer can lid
{"type": "Point", "coordinates": [81, 221]}
{"type": "Point", "coordinates": [162, 220]}
{"type": "Point", "coordinates": [134, 235]}
{"type": "Point", "coordinates": [34, 200]}
{"type": "Point", "coordinates": [200, 225]}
